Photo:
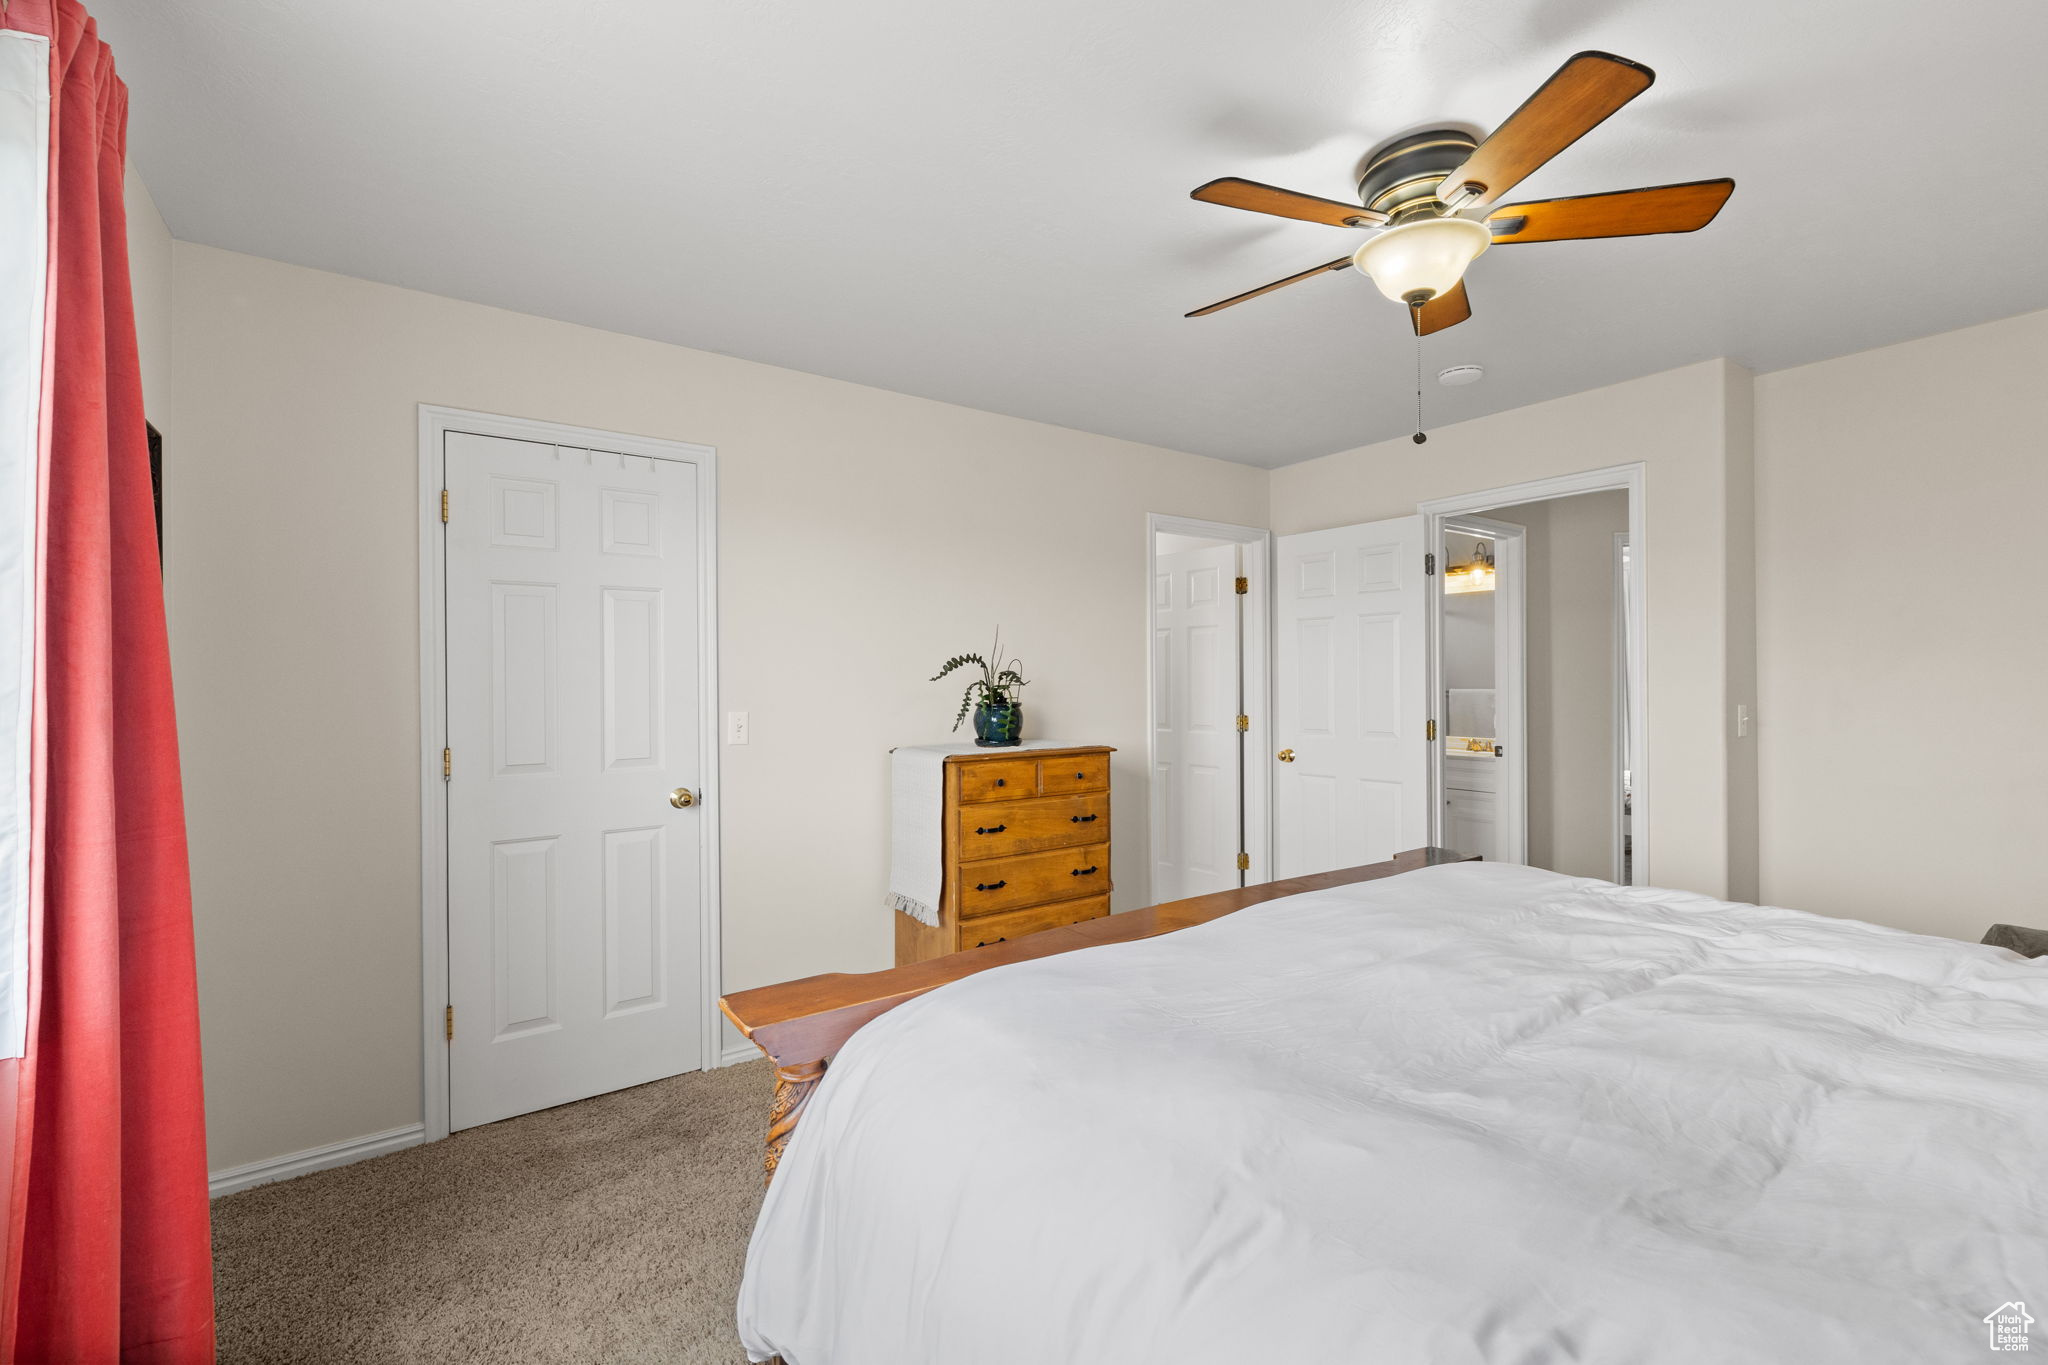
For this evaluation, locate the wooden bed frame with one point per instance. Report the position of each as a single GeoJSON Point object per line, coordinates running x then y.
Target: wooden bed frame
{"type": "Point", "coordinates": [801, 1024]}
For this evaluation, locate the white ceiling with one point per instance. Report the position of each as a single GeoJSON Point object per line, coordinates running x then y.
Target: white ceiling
{"type": "Point", "coordinates": [987, 204]}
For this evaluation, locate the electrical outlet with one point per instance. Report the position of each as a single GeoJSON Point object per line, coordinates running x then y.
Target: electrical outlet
{"type": "Point", "coordinates": [735, 727]}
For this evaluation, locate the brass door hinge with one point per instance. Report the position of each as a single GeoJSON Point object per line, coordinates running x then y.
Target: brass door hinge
{"type": "Point", "coordinates": [1430, 733]}
{"type": "Point", "coordinates": [444, 506]}
{"type": "Point", "coordinates": [1244, 585]}
{"type": "Point", "coordinates": [1244, 862]}
{"type": "Point", "coordinates": [449, 1021]}
{"type": "Point", "coordinates": [1244, 723]}
{"type": "Point", "coordinates": [447, 763]}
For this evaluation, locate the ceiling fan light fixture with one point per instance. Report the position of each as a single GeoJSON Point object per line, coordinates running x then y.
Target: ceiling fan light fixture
{"type": "Point", "coordinates": [1415, 262]}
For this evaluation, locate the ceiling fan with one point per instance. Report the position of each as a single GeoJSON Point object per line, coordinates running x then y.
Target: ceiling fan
{"type": "Point", "coordinates": [1430, 196]}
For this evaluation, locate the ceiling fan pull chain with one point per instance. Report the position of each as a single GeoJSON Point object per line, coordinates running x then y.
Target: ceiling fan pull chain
{"type": "Point", "coordinates": [1419, 437]}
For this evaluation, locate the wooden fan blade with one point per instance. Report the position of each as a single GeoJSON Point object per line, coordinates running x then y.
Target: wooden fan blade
{"type": "Point", "coordinates": [1619, 213]}
{"type": "Point", "coordinates": [1337, 264]}
{"type": "Point", "coordinates": [1569, 105]}
{"type": "Point", "coordinates": [1445, 310]}
{"type": "Point", "coordinates": [1232, 192]}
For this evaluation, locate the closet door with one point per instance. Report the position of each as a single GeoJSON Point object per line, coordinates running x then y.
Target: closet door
{"type": "Point", "coordinates": [574, 883]}
{"type": "Point", "coordinates": [1197, 752]}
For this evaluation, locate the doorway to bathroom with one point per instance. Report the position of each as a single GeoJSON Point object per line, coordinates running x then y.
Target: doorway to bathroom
{"type": "Point", "coordinates": [1535, 664]}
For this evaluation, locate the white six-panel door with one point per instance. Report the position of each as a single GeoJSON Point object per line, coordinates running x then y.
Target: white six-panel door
{"type": "Point", "coordinates": [1197, 750]}
{"type": "Point", "coordinates": [1351, 699]}
{"type": "Point", "coordinates": [573, 715]}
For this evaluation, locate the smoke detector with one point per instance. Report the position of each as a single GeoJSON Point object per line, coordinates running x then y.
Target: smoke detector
{"type": "Point", "coordinates": [1460, 374]}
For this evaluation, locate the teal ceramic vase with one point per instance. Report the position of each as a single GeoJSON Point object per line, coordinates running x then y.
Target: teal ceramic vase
{"type": "Point", "coordinates": [998, 725]}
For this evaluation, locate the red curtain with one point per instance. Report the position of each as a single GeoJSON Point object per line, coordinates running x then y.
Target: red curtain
{"type": "Point", "coordinates": [107, 1221]}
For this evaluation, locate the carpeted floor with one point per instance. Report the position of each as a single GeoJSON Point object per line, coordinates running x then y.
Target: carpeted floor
{"type": "Point", "coordinates": [607, 1231]}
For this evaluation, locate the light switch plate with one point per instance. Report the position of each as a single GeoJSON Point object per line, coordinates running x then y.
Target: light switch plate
{"type": "Point", "coordinates": [735, 727]}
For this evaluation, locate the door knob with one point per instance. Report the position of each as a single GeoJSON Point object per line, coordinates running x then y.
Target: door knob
{"type": "Point", "coordinates": [682, 798]}
{"type": "Point", "coordinates": [1285, 755]}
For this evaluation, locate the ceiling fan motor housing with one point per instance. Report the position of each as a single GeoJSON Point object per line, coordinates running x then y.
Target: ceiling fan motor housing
{"type": "Point", "coordinates": [1401, 177]}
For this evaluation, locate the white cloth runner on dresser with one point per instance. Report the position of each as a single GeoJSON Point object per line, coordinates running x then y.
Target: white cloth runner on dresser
{"type": "Point", "coordinates": [917, 815]}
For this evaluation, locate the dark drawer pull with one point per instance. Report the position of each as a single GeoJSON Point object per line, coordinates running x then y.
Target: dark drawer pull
{"type": "Point", "coordinates": [1082, 819]}
{"type": "Point", "coordinates": [997, 886]}
{"type": "Point", "coordinates": [1084, 871]}
{"type": "Point", "coordinates": [997, 829]}
{"type": "Point", "coordinates": [1080, 777]}
{"type": "Point", "coordinates": [1000, 782]}
{"type": "Point", "coordinates": [985, 943]}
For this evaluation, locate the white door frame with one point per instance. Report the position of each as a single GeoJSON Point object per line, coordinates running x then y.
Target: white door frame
{"type": "Point", "coordinates": [1622, 631]}
{"type": "Point", "coordinates": [434, 423]}
{"type": "Point", "coordinates": [1255, 665]}
{"type": "Point", "coordinates": [1628, 478]}
{"type": "Point", "coordinates": [1511, 655]}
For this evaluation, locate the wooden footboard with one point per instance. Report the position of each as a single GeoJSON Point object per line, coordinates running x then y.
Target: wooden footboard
{"type": "Point", "coordinates": [801, 1024]}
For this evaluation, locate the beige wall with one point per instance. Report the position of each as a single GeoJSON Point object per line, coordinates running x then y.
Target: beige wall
{"type": "Point", "coordinates": [1570, 612]}
{"type": "Point", "coordinates": [863, 537]}
{"type": "Point", "coordinates": [149, 273]}
{"type": "Point", "coordinates": [1679, 425]}
{"type": "Point", "coordinates": [1901, 639]}
{"type": "Point", "coordinates": [1739, 568]}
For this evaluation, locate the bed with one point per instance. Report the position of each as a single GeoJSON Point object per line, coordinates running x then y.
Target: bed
{"type": "Point", "coordinates": [1469, 1113]}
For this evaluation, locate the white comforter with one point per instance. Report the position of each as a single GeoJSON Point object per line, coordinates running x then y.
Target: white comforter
{"type": "Point", "coordinates": [1474, 1113]}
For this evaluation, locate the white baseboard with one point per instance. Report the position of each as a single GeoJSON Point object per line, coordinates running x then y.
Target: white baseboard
{"type": "Point", "coordinates": [237, 1178]}
{"type": "Point", "coordinates": [284, 1167]}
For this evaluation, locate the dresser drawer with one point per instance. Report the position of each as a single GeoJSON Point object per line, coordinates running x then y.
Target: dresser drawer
{"type": "Point", "coordinates": [989, 929]}
{"type": "Point", "coordinates": [1078, 773]}
{"type": "Point", "coordinates": [997, 884]}
{"type": "Point", "coordinates": [1009, 780]}
{"type": "Point", "coordinates": [1025, 826]}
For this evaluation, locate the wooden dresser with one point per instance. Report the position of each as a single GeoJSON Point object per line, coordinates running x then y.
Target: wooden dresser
{"type": "Point", "coordinates": [1026, 840]}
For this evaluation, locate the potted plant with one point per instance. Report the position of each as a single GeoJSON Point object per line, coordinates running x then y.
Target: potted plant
{"type": "Point", "coordinates": [998, 714]}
